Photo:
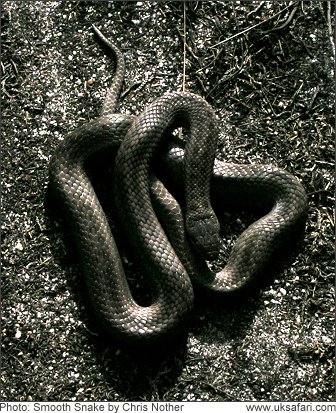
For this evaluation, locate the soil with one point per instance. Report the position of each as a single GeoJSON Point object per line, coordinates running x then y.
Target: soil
{"type": "Point", "coordinates": [267, 70]}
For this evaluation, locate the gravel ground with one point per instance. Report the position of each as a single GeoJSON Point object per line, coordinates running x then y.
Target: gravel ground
{"type": "Point", "coordinates": [267, 69]}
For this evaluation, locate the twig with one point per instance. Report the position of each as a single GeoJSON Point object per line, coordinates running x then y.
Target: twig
{"type": "Point", "coordinates": [184, 46]}
{"type": "Point", "coordinates": [287, 22]}
{"type": "Point", "coordinates": [317, 89]}
{"type": "Point", "coordinates": [268, 101]}
{"type": "Point", "coordinates": [251, 28]}
{"type": "Point", "coordinates": [188, 48]}
{"type": "Point", "coordinates": [255, 10]}
{"type": "Point", "coordinates": [14, 67]}
{"type": "Point", "coordinates": [330, 30]}
{"type": "Point", "coordinates": [136, 85]}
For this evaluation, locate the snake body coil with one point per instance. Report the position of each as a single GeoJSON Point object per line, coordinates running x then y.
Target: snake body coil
{"type": "Point", "coordinates": [170, 248]}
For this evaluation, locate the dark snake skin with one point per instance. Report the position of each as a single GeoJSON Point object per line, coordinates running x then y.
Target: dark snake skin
{"type": "Point", "coordinates": [170, 246]}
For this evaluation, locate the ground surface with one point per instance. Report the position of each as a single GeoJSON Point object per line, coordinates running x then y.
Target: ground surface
{"type": "Point", "coordinates": [272, 93]}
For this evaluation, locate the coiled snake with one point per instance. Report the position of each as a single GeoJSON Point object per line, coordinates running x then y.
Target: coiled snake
{"type": "Point", "coordinates": [173, 257]}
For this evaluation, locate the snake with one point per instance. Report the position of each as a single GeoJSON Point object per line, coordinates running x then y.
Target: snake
{"type": "Point", "coordinates": [170, 226]}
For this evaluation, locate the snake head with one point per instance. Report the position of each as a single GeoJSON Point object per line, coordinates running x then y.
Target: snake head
{"type": "Point", "coordinates": [204, 234]}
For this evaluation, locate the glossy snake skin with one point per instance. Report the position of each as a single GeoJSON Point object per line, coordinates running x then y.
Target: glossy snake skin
{"type": "Point", "coordinates": [169, 246]}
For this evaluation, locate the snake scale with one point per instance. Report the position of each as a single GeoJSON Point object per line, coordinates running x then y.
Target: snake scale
{"type": "Point", "coordinates": [170, 246]}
